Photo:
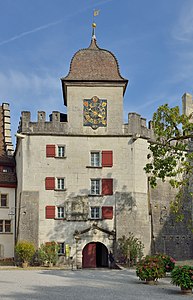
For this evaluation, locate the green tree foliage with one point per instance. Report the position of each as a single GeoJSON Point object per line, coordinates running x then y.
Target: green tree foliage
{"type": "Point", "coordinates": [48, 253]}
{"type": "Point", "coordinates": [25, 251]}
{"type": "Point", "coordinates": [170, 154]}
{"type": "Point", "coordinates": [130, 249]}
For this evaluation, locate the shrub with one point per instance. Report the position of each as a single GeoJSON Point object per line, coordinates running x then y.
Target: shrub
{"type": "Point", "coordinates": [130, 249]}
{"type": "Point", "coordinates": [182, 276]}
{"type": "Point", "coordinates": [169, 262]}
{"type": "Point", "coordinates": [25, 251]}
{"type": "Point", "coordinates": [48, 253]}
{"type": "Point", "coordinates": [150, 268]}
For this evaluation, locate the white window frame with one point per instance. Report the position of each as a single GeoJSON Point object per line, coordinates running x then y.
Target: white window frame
{"type": "Point", "coordinates": [60, 183]}
{"type": "Point", "coordinates": [95, 186]}
{"type": "Point", "coordinates": [60, 212]}
{"type": "Point", "coordinates": [61, 151]}
{"type": "Point", "coordinates": [95, 212]}
{"type": "Point", "coordinates": [4, 226]}
{"type": "Point", "coordinates": [95, 159]}
{"type": "Point", "coordinates": [61, 250]}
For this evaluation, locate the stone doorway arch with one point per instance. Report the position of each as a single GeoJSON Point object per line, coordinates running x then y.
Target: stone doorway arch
{"type": "Point", "coordinates": [95, 255]}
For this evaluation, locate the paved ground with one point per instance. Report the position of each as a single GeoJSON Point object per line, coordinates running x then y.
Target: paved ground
{"type": "Point", "coordinates": [82, 285]}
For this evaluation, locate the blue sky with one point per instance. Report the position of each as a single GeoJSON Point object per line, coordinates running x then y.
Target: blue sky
{"type": "Point", "coordinates": [152, 40]}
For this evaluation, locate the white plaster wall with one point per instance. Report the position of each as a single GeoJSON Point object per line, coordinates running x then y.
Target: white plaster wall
{"type": "Point", "coordinates": [7, 239]}
{"type": "Point", "coordinates": [129, 159]}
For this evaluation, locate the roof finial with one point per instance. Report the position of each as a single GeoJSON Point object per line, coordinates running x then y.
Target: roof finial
{"type": "Point", "coordinates": [93, 31]}
{"type": "Point", "coordinates": [95, 13]}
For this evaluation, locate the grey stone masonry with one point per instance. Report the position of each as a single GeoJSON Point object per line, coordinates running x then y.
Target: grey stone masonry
{"type": "Point", "coordinates": [135, 127]}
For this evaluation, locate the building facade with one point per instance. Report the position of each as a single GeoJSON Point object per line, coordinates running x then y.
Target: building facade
{"type": "Point", "coordinates": [81, 178]}
{"type": "Point", "coordinates": [7, 186]}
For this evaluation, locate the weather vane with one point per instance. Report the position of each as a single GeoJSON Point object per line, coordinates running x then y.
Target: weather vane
{"type": "Point", "coordinates": [95, 14]}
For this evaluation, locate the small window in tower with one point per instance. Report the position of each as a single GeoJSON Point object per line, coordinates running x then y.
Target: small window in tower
{"type": "Point", "coordinates": [95, 212]}
{"type": "Point", "coordinates": [61, 151]}
{"type": "Point", "coordinates": [95, 186]}
{"type": "Point", "coordinates": [60, 212]}
{"type": "Point", "coordinates": [60, 183]}
{"type": "Point", "coordinates": [95, 159]}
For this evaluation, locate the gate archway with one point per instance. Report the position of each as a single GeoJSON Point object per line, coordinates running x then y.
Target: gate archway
{"type": "Point", "coordinates": [95, 255]}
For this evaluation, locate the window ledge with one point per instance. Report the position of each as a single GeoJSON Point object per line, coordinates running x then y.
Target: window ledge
{"type": "Point", "coordinates": [4, 207]}
{"type": "Point", "coordinates": [60, 157]}
{"type": "Point", "coordinates": [6, 232]}
{"type": "Point", "coordinates": [60, 190]}
{"type": "Point", "coordinates": [60, 219]}
{"type": "Point", "coordinates": [94, 167]}
{"type": "Point", "coordinates": [95, 195]}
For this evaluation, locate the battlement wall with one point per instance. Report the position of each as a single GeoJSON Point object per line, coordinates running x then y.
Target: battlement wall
{"type": "Point", "coordinates": [137, 127]}
{"type": "Point", "coordinates": [57, 124]}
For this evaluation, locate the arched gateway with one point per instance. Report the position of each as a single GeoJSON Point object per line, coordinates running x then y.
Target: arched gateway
{"type": "Point", "coordinates": [95, 255]}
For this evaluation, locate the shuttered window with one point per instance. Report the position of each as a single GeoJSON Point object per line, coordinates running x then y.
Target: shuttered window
{"type": "Point", "coordinates": [107, 212]}
{"type": "Point", "coordinates": [50, 150]}
{"type": "Point", "coordinates": [107, 158]}
{"type": "Point", "coordinates": [50, 183]}
{"type": "Point", "coordinates": [50, 212]}
{"type": "Point", "coordinates": [107, 186]}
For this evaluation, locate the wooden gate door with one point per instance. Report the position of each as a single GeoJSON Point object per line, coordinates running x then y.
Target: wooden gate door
{"type": "Point", "coordinates": [89, 256]}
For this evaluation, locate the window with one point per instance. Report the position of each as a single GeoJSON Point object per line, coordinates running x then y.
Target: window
{"type": "Point", "coordinates": [95, 159]}
{"type": "Point", "coordinates": [95, 186]}
{"type": "Point", "coordinates": [60, 212]}
{"type": "Point", "coordinates": [5, 226]}
{"type": "Point", "coordinates": [1, 225]}
{"type": "Point", "coordinates": [95, 212]}
{"type": "Point", "coordinates": [101, 158]}
{"type": "Point", "coordinates": [51, 183]}
{"type": "Point", "coordinates": [61, 250]}
{"type": "Point", "coordinates": [3, 200]}
{"type": "Point", "coordinates": [60, 183]}
{"type": "Point", "coordinates": [55, 150]}
{"type": "Point", "coordinates": [61, 151]}
{"type": "Point", "coordinates": [102, 186]}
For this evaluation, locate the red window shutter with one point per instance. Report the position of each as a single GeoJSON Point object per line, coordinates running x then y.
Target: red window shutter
{"type": "Point", "coordinates": [107, 212]}
{"type": "Point", "coordinates": [50, 212]}
{"type": "Point", "coordinates": [107, 158]}
{"type": "Point", "coordinates": [107, 186]}
{"type": "Point", "coordinates": [50, 151]}
{"type": "Point", "coordinates": [50, 183]}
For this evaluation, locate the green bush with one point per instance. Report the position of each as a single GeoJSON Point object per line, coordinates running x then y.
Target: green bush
{"type": "Point", "coordinates": [182, 276]}
{"type": "Point", "coordinates": [129, 250]}
{"type": "Point", "coordinates": [25, 251]}
{"type": "Point", "coordinates": [48, 253]}
{"type": "Point", "coordinates": [150, 268]}
{"type": "Point", "coordinates": [169, 262]}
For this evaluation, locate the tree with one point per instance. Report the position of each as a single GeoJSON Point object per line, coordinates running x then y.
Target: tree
{"type": "Point", "coordinates": [171, 156]}
{"type": "Point", "coordinates": [25, 251]}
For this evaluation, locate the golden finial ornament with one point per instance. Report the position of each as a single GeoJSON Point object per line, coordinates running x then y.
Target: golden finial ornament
{"type": "Point", "coordinates": [93, 25]}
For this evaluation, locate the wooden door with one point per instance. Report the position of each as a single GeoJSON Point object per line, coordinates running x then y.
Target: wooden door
{"type": "Point", "coordinates": [89, 256]}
